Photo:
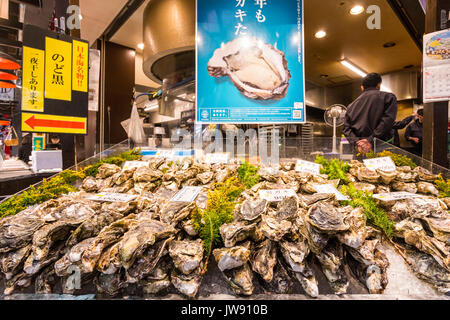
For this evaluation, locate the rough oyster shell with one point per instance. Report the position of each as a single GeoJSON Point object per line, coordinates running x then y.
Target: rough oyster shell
{"type": "Point", "coordinates": [427, 188]}
{"type": "Point", "coordinates": [275, 229]}
{"type": "Point", "coordinates": [235, 232]}
{"type": "Point", "coordinates": [366, 187]}
{"type": "Point", "coordinates": [326, 218]}
{"type": "Point", "coordinates": [187, 255]}
{"type": "Point", "coordinates": [264, 259]}
{"type": "Point", "coordinates": [252, 210]}
{"type": "Point", "coordinates": [367, 175]}
{"type": "Point", "coordinates": [230, 258]}
{"type": "Point", "coordinates": [240, 280]}
{"type": "Point", "coordinates": [257, 69]}
{"type": "Point", "coordinates": [425, 175]}
{"type": "Point", "coordinates": [406, 187]}
{"type": "Point", "coordinates": [387, 176]}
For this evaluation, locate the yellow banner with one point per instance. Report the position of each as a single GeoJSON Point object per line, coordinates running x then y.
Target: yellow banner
{"type": "Point", "coordinates": [80, 66]}
{"type": "Point", "coordinates": [33, 80]}
{"type": "Point", "coordinates": [53, 124]}
{"type": "Point", "coordinates": [58, 69]}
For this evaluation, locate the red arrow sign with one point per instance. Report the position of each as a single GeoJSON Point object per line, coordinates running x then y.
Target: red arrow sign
{"type": "Point", "coordinates": [33, 122]}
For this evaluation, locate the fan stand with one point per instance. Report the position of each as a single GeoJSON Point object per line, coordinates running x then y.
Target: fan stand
{"type": "Point", "coordinates": [334, 136]}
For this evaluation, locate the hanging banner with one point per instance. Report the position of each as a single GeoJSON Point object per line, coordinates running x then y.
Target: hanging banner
{"type": "Point", "coordinates": [436, 66]}
{"type": "Point", "coordinates": [58, 69]}
{"type": "Point", "coordinates": [38, 141]}
{"type": "Point", "coordinates": [94, 79]}
{"type": "Point", "coordinates": [80, 66]}
{"type": "Point", "coordinates": [33, 80]}
{"type": "Point", "coordinates": [55, 82]}
{"type": "Point", "coordinates": [250, 61]}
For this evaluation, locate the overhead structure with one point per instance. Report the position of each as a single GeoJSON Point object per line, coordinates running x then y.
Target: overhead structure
{"type": "Point", "coordinates": [169, 39]}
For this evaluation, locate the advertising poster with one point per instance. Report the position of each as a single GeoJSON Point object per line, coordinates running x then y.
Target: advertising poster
{"type": "Point", "coordinates": [250, 61]}
{"type": "Point", "coordinates": [436, 66]}
{"type": "Point", "coordinates": [55, 82]}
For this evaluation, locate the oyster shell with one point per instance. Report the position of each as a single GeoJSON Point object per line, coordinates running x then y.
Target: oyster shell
{"type": "Point", "coordinates": [257, 69]}
{"type": "Point", "coordinates": [326, 218]}
{"type": "Point", "coordinates": [275, 229]}
{"type": "Point", "coordinates": [240, 280]}
{"type": "Point", "coordinates": [252, 210]}
{"type": "Point", "coordinates": [186, 284]}
{"type": "Point", "coordinates": [11, 262]}
{"type": "Point", "coordinates": [427, 188]}
{"type": "Point", "coordinates": [230, 258]}
{"type": "Point", "coordinates": [287, 209]}
{"type": "Point", "coordinates": [406, 187]}
{"type": "Point", "coordinates": [387, 176]}
{"type": "Point", "coordinates": [187, 255]}
{"type": "Point", "coordinates": [264, 259]}
{"type": "Point", "coordinates": [419, 208]}
{"type": "Point", "coordinates": [156, 281]}
{"type": "Point", "coordinates": [107, 170]}
{"type": "Point", "coordinates": [425, 175]}
{"type": "Point", "coordinates": [356, 235]}
{"type": "Point", "coordinates": [332, 261]}
{"type": "Point", "coordinates": [174, 212]}
{"type": "Point", "coordinates": [235, 232]}
{"type": "Point", "coordinates": [367, 175]}
{"type": "Point", "coordinates": [406, 175]}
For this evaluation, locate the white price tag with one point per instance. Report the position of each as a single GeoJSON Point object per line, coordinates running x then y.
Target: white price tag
{"type": "Point", "coordinates": [330, 189]}
{"type": "Point", "coordinates": [276, 195]}
{"type": "Point", "coordinates": [187, 194]}
{"type": "Point", "coordinates": [395, 196]}
{"type": "Point", "coordinates": [219, 157]}
{"type": "Point", "coordinates": [134, 164]}
{"type": "Point", "coordinates": [308, 167]}
{"type": "Point", "coordinates": [384, 164]}
{"type": "Point", "coordinates": [113, 197]}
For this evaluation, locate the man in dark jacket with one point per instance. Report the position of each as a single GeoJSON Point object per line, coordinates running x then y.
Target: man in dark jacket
{"type": "Point", "coordinates": [400, 125]}
{"type": "Point", "coordinates": [414, 133]}
{"type": "Point", "coordinates": [370, 116]}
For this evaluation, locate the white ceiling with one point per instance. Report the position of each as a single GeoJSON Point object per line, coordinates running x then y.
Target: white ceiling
{"type": "Point", "coordinates": [97, 15]}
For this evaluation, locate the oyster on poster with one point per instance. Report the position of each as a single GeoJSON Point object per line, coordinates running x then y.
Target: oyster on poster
{"type": "Point", "coordinates": [250, 61]}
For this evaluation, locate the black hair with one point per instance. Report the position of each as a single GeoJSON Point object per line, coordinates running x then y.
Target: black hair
{"type": "Point", "coordinates": [420, 112]}
{"type": "Point", "coordinates": [55, 136]}
{"type": "Point", "coordinates": [372, 80]}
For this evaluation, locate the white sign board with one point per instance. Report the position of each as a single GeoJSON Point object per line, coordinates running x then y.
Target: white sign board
{"type": "Point", "coordinates": [436, 66]}
{"type": "Point", "coordinates": [113, 197]}
{"type": "Point", "coordinates": [330, 189]}
{"type": "Point", "coordinates": [384, 164]}
{"type": "Point", "coordinates": [94, 78]}
{"type": "Point", "coordinates": [218, 157]}
{"type": "Point", "coordinates": [395, 196]}
{"type": "Point", "coordinates": [187, 194]}
{"type": "Point", "coordinates": [276, 195]}
{"type": "Point", "coordinates": [134, 164]}
{"type": "Point", "coordinates": [308, 167]}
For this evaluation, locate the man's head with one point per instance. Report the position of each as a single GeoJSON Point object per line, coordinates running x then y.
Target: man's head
{"type": "Point", "coordinates": [420, 115]}
{"type": "Point", "coordinates": [55, 139]}
{"type": "Point", "coordinates": [371, 81]}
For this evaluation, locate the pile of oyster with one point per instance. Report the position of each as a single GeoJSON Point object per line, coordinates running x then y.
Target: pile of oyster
{"type": "Point", "coordinates": [149, 245]}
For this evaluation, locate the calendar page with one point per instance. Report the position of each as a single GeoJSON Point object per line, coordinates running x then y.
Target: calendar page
{"type": "Point", "coordinates": [436, 66]}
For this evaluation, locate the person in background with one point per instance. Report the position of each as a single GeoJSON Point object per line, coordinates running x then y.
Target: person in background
{"type": "Point", "coordinates": [25, 150]}
{"type": "Point", "coordinates": [371, 115]}
{"type": "Point", "coordinates": [158, 141]}
{"type": "Point", "coordinates": [55, 143]}
{"type": "Point", "coordinates": [414, 133]}
{"type": "Point", "coordinates": [400, 125]}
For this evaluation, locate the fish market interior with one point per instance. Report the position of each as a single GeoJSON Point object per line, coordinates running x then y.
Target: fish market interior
{"type": "Point", "coordinates": [197, 149]}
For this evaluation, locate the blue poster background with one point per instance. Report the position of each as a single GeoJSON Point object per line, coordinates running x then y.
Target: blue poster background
{"type": "Point", "coordinates": [218, 100]}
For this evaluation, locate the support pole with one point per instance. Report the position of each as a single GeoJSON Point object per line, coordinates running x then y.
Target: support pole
{"type": "Point", "coordinates": [435, 128]}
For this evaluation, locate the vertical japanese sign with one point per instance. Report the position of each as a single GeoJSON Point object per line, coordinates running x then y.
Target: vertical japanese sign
{"type": "Point", "coordinates": [80, 66]}
{"type": "Point", "coordinates": [33, 80]}
{"type": "Point", "coordinates": [55, 82]}
{"type": "Point", "coordinates": [250, 61]}
{"type": "Point", "coordinates": [58, 69]}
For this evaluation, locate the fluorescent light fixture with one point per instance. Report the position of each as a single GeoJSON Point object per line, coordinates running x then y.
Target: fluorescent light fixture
{"type": "Point", "coordinates": [357, 10]}
{"type": "Point", "coordinates": [141, 46]}
{"type": "Point", "coordinates": [151, 106]}
{"type": "Point", "coordinates": [353, 68]}
{"type": "Point", "coordinates": [320, 34]}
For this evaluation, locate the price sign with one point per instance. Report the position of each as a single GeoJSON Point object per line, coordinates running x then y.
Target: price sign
{"type": "Point", "coordinates": [395, 196]}
{"type": "Point", "coordinates": [330, 189]}
{"type": "Point", "coordinates": [219, 157]}
{"type": "Point", "coordinates": [113, 197]}
{"type": "Point", "coordinates": [308, 167]}
{"type": "Point", "coordinates": [134, 164]}
{"type": "Point", "coordinates": [276, 195]}
{"type": "Point", "coordinates": [187, 194]}
{"type": "Point", "coordinates": [384, 164]}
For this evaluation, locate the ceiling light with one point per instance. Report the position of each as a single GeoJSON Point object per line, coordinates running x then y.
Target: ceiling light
{"type": "Point", "coordinates": [357, 10]}
{"type": "Point", "coordinates": [141, 46]}
{"type": "Point", "coordinates": [321, 34]}
{"type": "Point", "coordinates": [353, 68]}
{"type": "Point", "coordinates": [80, 17]}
